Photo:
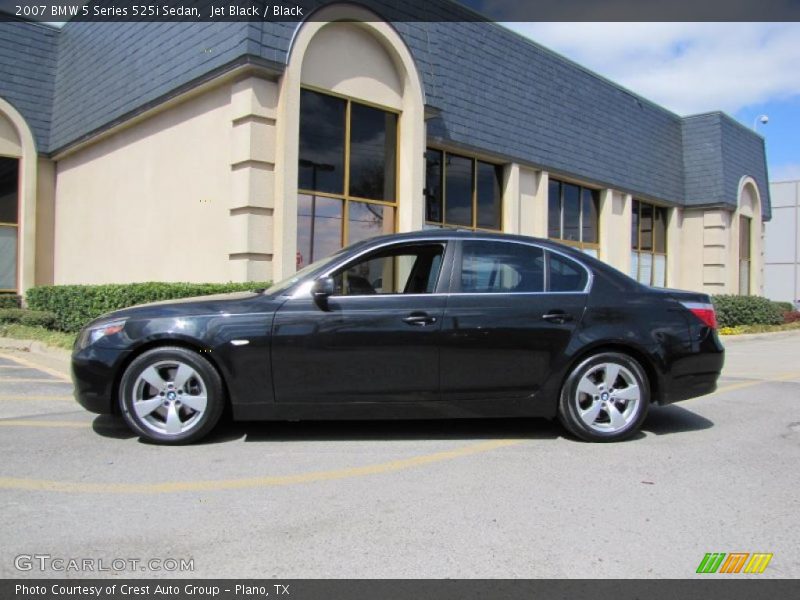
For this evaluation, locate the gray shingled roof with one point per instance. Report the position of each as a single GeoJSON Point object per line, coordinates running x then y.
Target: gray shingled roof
{"type": "Point", "coordinates": [495, 91]}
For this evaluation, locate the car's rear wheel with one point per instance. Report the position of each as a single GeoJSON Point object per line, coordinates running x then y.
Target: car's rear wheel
{"type": "Point", "coordinates": [605, 398]}
{"type": "Point", "coordinates": [171, 395]}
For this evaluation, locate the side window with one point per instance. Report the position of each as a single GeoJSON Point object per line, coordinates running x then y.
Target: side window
{"type": "Point", "coordinates": [404, 269]}
{"type": "Point", "coordinates": [501, 267]}
{"type": "Point", "coordinates": [565, 275]}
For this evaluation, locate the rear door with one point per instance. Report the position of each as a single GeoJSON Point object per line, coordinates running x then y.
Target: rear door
{"type": "Point", "coordinates": [512, 310]}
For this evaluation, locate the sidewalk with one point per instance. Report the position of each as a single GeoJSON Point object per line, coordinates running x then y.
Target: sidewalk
{"type": "Point", "coordinates": [38, 353]}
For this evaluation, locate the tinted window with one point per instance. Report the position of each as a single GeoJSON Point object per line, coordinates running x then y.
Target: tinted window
{"type": "Point", "coordinates": [590, 201]}
{"type": "Point", "coordinates": [489, 192]}
{"type": "Point", "coordinates": [9, 184]}
{"type": "Point", "coordinates": [319, 228]}
{"type": "Point", "coordinates": [458, 193]}
{"type": "Point", "coordinates": [400, 270]}
{"type": "Point", "coordinates": [373, 147]}
{"type": "Point", "coordinates": [365, 220]}
{"type": "Point", "coordinates": [433, 186]}
{"type": "Point", "coordinates": [572, 212]}
{"type": "Point", "coordinates": [497, 267]}
{"type": "Point", "coordinates": [565, 275]}
{"type": "Point", "coordinates": [322, 125]}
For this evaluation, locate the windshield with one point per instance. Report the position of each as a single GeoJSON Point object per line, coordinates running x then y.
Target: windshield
{"type": "Point", "coordinates": [295, 278]}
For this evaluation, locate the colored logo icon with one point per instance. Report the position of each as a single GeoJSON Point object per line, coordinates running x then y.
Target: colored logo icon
{"type": "Point", "coordinates": [736, 562]}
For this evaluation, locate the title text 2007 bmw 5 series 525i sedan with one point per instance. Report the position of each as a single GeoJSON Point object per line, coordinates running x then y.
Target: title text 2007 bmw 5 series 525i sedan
{"type": "Point", "coordinates": [434, 324]}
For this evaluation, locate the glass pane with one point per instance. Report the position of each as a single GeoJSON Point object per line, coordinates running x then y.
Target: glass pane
{"type": "Point", "coordinates": [744, 238]}
{"type": "Point", "coordinates": [319, 228]}
{"type": "Point", "coordinates": [660, 229]}
{"type": "Point", "coordinates": [9, 186]}
{"type": "Point", "coordinates": [572, 212]}
{"type": "Point", "coordinates": [368, 220]}
{"type": "Point", "coordinates": [554, 210]}
{"type": "Point", "coordinates": [590, 201]}
{"type": "Point", "coordinates": [8, 258]}
{"type": "Point", "coordinates": [433, 186]}
{"type": "Point", "coordinates": [645, 268]}
{"type": "Point", "coordinates": [493, 267]}
{"type": "Point", "coordinates": [635, 226]}
{"type": "Point", "coordinates": [458, 190]}
{"type": "Point", "coordinates": [404, 270]}
{"type": "Point", "coordinates": [659, 270]}
{"type": "Point", "coordinates": [373, 152]}
{"type": "Point", "coordinates": [744, 277]}
{"type": "Point", "coordinates": [321, 164]}
{"type": "Point", "coordinates": [646, 227]}
{"type": "Point", "coordinates": [566, 275]}
{"type": "Point", "coordinates": [635, 265]}
{"type": "Point", "coordinates": [490, 182]}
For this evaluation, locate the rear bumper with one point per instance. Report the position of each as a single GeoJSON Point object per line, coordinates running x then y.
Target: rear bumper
{"type": "Point", "coordinates": [695, 374]}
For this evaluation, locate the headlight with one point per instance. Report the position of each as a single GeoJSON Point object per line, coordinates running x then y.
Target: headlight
{"type": "Point", "coordinates": [90, 335]}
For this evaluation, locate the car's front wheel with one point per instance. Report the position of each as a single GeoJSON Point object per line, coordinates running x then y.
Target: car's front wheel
{"type": "Point", "coordinates": [605, 398]}
{"type": "Point", "coordinates": [171, 395]}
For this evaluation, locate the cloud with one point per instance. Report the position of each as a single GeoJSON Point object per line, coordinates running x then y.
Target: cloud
{"type": "Point", "coordinates": [686, 67]}
{"type": "Point", "coordinates": [785, 172]}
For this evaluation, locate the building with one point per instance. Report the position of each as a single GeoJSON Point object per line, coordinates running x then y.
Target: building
{"type": "Point", "coordinates": [241, 151]}
{"type": "Point", "coordinates": [782, 248]}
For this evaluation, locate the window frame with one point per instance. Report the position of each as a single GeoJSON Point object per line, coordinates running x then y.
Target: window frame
{"type": "Point", "coordinates": [580, 244]}
{"type": "Point", "coordinates": [652, 252]}
{"type": "Point", "coordinates": [474, 160]}
{"type": "Point", "coordinates": [345, 196]}
{"type": "Point", "coordinates": [747, 222]}
{"type": "Point", "coordinates": [456, 263]}
{"type": "Point", "coordinates": [16, 226]}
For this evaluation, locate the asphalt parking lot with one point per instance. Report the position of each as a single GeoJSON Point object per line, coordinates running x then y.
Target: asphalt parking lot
{"type": "Point", "coordinates": [470, 499]}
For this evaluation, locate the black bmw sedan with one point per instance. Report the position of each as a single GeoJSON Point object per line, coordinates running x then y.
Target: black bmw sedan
{"type": "Point", "coordinates": [433, 324]}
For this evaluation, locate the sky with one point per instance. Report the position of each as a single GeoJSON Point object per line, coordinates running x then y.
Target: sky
{"type": "Point", "coordinates": [744, 69]}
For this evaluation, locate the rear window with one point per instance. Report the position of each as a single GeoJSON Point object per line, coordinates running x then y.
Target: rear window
{"type": "Point", "coordinates": [565, 275]}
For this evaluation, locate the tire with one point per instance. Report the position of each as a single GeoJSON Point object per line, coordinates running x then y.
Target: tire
{"type": "Point", "coordinates": [605, 398]}
{"type": "Point", "coordinates": [171, 395]}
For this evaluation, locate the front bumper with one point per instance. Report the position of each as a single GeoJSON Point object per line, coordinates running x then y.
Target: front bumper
{"type": "Point", "coordinates": [94, 372]}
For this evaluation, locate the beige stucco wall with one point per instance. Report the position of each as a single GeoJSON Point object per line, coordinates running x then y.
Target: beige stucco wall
{"type": "Point", "coordinates": [45, 222]}
{"type": "Point", "coordinates": [150, 202]}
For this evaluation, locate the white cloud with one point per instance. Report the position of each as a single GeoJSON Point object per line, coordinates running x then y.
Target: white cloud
{"type": "Point", "coordinates": [785, 172]}
{"type": "Point", "coordinates": [687, 67]}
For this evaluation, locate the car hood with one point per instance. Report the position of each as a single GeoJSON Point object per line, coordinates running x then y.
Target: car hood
{"type": "Point", "coordinates": [217, 304]}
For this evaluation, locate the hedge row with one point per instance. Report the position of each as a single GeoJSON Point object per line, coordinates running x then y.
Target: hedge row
{"type": "Point", "coordinates": [75, 305]}
{"type": "Point", "coordinates": [746, 310]}
{"type": "Point", "coordinates": [9, 301]}
{"type": "Point", "coordinates": [34, 318]}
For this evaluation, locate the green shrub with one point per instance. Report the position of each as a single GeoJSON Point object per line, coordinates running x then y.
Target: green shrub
{"type": "Point", "coordinates": [783, 306]}
{"type": "Point", "coordinates": [746, 310]}
{"type": "Point", "coordinates": [9, 301]}
{"type": "Point", "coordinates": [32, 318]}
{"type": "Point", "coordinates": [75, 305]}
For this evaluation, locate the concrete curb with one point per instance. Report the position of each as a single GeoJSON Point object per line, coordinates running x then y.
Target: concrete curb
{"type": "Point", "coordinates": [40, 353]}
{"type": "Point", "coordinates": [744, 337]}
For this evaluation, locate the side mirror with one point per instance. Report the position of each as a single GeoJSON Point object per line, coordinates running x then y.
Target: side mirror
{"type": "Point", "coordinates": [321, 290]}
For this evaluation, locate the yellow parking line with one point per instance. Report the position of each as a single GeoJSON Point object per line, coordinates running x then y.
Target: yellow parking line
{"type": "Point", "coordinates": [747, 384]}
{"type": "Point", "coordinates": [40, 485]}
{"type": "Point", "coordinates": [13, 367]}
{"type": "Point", "coordinates": [37, 423]}
{"type": "Point", "coordinates": [26, 397]}
{"type": "Point", "coordinates": [29, 380]}
{"type": "Point", "coordinates": [22, 361]}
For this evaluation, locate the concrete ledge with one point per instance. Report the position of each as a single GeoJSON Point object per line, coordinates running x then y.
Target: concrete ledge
{"type": "Point", "coordinates": [744, 337]}
{"type": "Point", "coordinates": [55, 358]}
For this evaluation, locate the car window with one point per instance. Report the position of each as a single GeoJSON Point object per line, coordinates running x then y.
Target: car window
{"type": "Point", "coordinates": [407, 269]}
{"type": "Point", "coordinates": [565, 275]}
{"type": "Point", "coordinates": [501, 267]}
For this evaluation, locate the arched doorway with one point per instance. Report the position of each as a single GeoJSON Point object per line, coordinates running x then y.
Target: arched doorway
{"type": "Point", "coordinates": [747, 231]}
{"type": "Point", "coordinates": [351, 119]}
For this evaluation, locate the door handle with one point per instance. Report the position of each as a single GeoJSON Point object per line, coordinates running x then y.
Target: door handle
{"type": "Point", "coordinates": [557, 316]}
{"type": "Point", "coordinates": [419, 319]}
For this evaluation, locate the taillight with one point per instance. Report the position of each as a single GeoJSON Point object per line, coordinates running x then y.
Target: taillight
{"type": "Point", "coordinates": [704, 312]}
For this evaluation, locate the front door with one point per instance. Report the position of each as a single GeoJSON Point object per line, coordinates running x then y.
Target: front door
{"type": "Point", "coordinates": [375, 340]}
